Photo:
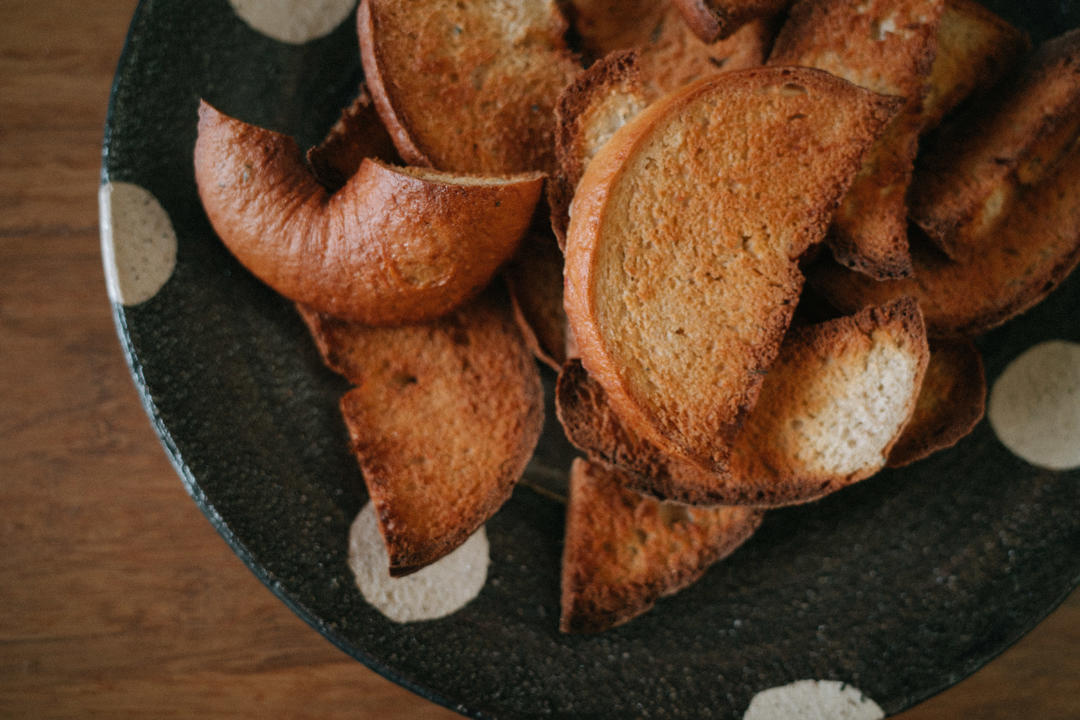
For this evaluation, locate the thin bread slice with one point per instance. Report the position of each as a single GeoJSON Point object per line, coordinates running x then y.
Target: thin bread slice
{"type": "Point", "coordinates": [467, 375]}
{"type": "Point", "coordinates": [712, 20]}
{"type": "Point", "coordinates": [467, 87]}
{"type": "Point", "coordinates": [680, 258]}
{"type": "Point", "coordinates": [887, 46]}
{"type": "Point", "coordinates": [951, 402]}
{"type": "Point", "coordinates": [535, 279]}
{"type": "Point", "coordinates": [1035, 248]}
{"type": "Point", "coordinates": [830, 410]}
{"type": "Point", "coordinates": [975, 49]}
{"type": "Point", "coordinates": [357, 134]}
{"type": "Point", "coordinates": [623, 551]}
{"type": "Point", "coordinates": [392, 245]}
{"type": "Point", "coordinates": [969, 178]}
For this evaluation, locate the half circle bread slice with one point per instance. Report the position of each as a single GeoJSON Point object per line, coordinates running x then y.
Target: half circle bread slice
{"type": "Point", "coordinates": [684, 231]}
{"type": "Point", "coordinates": [830, 410]}
{"type": "Point", "coordinates": [623, 550]}
{"type": "Point", "coordinates": [393, 245]}
{"type": "Point", "coordinates": [467, 87]}
{"type": "Point", "coordinates": [887, 46]}
{"type": "Point", "coordinates": [443, 419]}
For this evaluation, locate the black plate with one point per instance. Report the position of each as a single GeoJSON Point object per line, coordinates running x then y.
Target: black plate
{"type": "Point", "coordinates": [900, 586]}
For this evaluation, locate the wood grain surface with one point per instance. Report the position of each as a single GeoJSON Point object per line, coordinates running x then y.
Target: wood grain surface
{"type": "Point", "coordinates": [119, 599]}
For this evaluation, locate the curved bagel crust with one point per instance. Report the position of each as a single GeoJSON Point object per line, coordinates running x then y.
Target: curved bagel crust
{"type": "Point", "coordinates": [393, 245]}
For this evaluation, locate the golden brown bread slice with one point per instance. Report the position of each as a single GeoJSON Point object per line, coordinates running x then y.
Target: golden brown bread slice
{"type": "Point", "coordinates": [357, 134]}
{"type": "Point", "coordinates": [393, 245]}
{"type": "Point", "coordinates": [830, 409]}
{"type": "Point", "coordinates": [712, 20]}
{"type": "Point", "coordinates": [443, 419]}
{"type": "Point", "coordinates": [535, 279]}
{"type": "Point", "coordinates": [951, 402]}
{"type": "Point", "coordinates": [886, 46]}
{"type": "Point", "coordinates": [968, 179]}
{"type": "Point", "coordinates": [975, 48]}
{"type": "Point", "coordinates": [623, 551]}
{"type": "Point", "coordinates": [467, 87]}
{"type": "Point", "coordinates": [680, 257]}
{"type": "Point", "coordinates": [1034, 248]}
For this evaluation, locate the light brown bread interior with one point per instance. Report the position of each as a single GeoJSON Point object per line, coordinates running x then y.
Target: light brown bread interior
{"type": "Point", "coordinates": [623, 551]}
{"type": "Point", "coordinates": [680, 274]}
{"type": "Point", "coordinates": [887, 46]}
{"type": "Point", "coordinates": [467, 87]}
{"type": "Point", "coordinates": [443, 418]}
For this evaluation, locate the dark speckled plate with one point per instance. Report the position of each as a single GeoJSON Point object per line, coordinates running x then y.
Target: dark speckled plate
{"type": "Point", "coordinates": [900, 586]}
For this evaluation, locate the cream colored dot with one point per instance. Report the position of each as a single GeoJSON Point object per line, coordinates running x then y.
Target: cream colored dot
{"type": "Point", "coordinates": [813, 700]}
{"type": "Point", "coordinates": [439, 589]}
{"type": "Point", "coordinates": [293, 21]}
{"type": "Point", "coordinates": [138, 243]}
{"type": "Point", "coordinates": [1035, 405]}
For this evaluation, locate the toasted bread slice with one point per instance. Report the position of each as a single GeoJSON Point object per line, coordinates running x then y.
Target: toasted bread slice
{"type": "Point", "coordinates": [393, 245]}
{"type": "Point", "coordinates": [951, 402]}
{"type": "Point", "coordinates": [535, 279]}
{"type": "Point", "coordinates": [1035, 247]}
{"type": "Point", "coordinates": [467, 87]}
{"type": "Point", "coordinates": [468, 375]}
{"type": "Point", "coordinates": [680, 257]}
{"type": "Point", "coordinates": [975, 49]}
{"type": "Point", "coordinates": [623, 550]}
{"type": "Point", "coordinates": [712, 20]}
{"type": "Point", "coordinates": [830, 410]}
{"type": "Point", "coordinates": [356, 135]}
{"type": "Point", "coordinates": [886, 46]}
{"type": "Point", "coordinates": [969, 178]}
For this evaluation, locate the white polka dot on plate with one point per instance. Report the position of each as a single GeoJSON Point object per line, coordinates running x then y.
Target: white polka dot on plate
{"type": "Point", "coordinates": [435, 591]}
{"type": "Point", "coordinates": [293, 21]}
{"type": "Point", "coordinates": [138, 243]}
{"type": "Point", "coordinates": [813, 700]}
{"type": "Point", "coordinates": [1035, 405]}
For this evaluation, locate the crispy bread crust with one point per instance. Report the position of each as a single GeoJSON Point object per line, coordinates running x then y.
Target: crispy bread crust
{"type": "Point", "coordinates": [623, 551]}
{"type": "Point", "coordinates": [461, 90]}
{"type": "Point", "coordinates": [1035, 248]}
{"type": "Point", "coordinates": [469, 376]}
{"type": "Point", "coordinates": [758, 475]}
{"type": "Point", "coordinates": [356, 135]}
{"type": "Point", "coordinates": [853, 41]}
{"type": "Point", "coordinates": [535, 279]}
{"type": "Point", "coordinates": [713, 20]}
{"type": "Point", "coordinates": [969, 177]}
{"type": "Point", "coordinates": [951, 402]}
{"type": "Point", "coordinates": [805, 97]}
{"type": "Point", "coordinates": [393, 245]}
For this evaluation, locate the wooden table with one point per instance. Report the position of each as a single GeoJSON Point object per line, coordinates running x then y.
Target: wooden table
{"type": "Point", "coordinates": [119, 598]}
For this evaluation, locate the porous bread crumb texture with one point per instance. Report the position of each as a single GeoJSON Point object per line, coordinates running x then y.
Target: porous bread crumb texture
{"type": "Point", "coordinates": [468, 86]}
{"type": "Point", "coordinates": [1035, 405]}
{"type": "Point", "coordinates": [886, 46]}
{"type": "Point", "coordinates": [694, 220]}
{"type": "Point", "coordinates": [443, 420]}
{"type": "Point", "coordinates": [623, 550]}
{"type": "Point", "coordinates": [436, 591]}
{"type": "Point", "coordinates": [1035, 248]}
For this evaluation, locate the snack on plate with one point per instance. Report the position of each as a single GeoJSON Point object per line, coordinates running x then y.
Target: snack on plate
{"type": "Point", "coordinates": [443, 417]}
{"type": "Point", "coordinates": [951, 402]}
{"type": "Point", "coordinates": [969, 178]}
{"type": "Point", "coordinates": [1034, 249]}
{"type": "Point", "coordinates": [975, 48]}
{"type": "Point", "coordinates": [680, 258]}
{"type": "Point", "coordinates": [830, 409]}
{"type": "Point", "coordinates": [623, 550]}
{"type": "Point", "coordinates": [534, 277]}
{"type": "Point", "coordinates": [712, 20]}
{"type": "Point", "coordinates": [393, 245]}
{"type": "Point", "coordinates": [886, 46]}
{"type": "Point", "coordinates": [467, 87]}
